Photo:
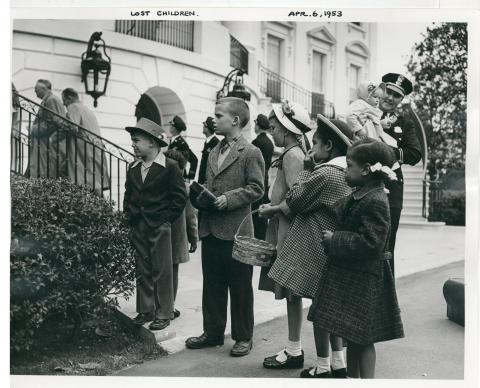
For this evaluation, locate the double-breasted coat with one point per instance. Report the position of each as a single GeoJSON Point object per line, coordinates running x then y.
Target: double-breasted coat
{"type": "Point", "coordinates": [240, 178]}
{"type": "Point", "coordinates": [311, 202]}
{"type": "Point", "coordinates": [356, 296]}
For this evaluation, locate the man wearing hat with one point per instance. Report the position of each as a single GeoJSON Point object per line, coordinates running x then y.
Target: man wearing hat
{"type": "Point", "coordinates": [155, 196]}
{"type": "Point", "coordinates": [210, 142]}
{"type": "Point", "coordinates": [404, 142]}
{"type": "Point", "coordinates": [177, 142]}
{"type": "Point", "coordinates": [263, 142]}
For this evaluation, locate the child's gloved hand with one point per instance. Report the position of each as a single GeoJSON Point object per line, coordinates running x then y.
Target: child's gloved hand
{"type": "Point", "coordinates": [326, 237]}
{"type": "Point", "coordinates": [266, 210]}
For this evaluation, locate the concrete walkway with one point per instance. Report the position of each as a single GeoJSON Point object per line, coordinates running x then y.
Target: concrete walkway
{"type": "Point", "coordinates": [417, 250]}
{"type": "Point", "coordinates": [432, 348]}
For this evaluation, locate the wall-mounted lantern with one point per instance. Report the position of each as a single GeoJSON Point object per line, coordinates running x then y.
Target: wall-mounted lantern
{"type": "Point", "coordinates": [95, 69]}
{"type": "Point", "coordinates": [238, 89]}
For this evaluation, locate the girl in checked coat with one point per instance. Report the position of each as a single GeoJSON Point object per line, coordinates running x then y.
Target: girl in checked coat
{"type": "Point", "coordinates": [356, 296]}
{"type": "Point", "coordinates": [300, 262]}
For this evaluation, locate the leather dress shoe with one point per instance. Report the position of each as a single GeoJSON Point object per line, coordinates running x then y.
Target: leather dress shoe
{"type": "Point", "coordinates": [175, 314]}
{"type": "Point", "coordinates": [203, 341]}
{"type": "Point", "coordinates": [292, 362]}
{"type": "Point", "coordinates": [306, 374]}
{"type": "Point", "coordinates": [159, 324]}
{"type": "Point", "coordinates": [339, 373]}
{"type": "Point", "coordinates": [241, 348]}
{"type": "Point", "coordinates": [143, 318]}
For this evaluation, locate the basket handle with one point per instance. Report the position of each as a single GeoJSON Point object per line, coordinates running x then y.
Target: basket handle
{"type": "Point", "coordinates": [244, 219]}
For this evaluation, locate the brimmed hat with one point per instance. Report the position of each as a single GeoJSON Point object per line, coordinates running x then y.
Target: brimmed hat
{"type": "Point", "coordinates": [292, 116]}
{"type": "Point", "coordinates": [178, 123]}
{"type": "Point", "coordinates": [262, 121]}
{"type": "Point", "coordinates": [398, 82]}
{"type": "Point", "coordinates": [151, 129]}
{"type": "Point", "coordinates": [338, 127]}
{"type": "Point", "coordinates": [210, 123]}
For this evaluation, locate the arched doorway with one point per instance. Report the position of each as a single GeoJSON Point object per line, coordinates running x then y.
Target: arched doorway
{"type": "Point", "coordinates": [160, 105]}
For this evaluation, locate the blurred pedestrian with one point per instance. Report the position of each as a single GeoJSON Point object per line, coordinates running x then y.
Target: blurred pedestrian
{"type": "Point", "coordinates": [177, 142]}
{"type": "Point", "coordinates": [263, 142]}
{"type": "Point", "coordinates": [210, 142]}
{"type": "Point", "coordinates": [87, 161]}
{"type": "Point", "coordinates": [46, 147]}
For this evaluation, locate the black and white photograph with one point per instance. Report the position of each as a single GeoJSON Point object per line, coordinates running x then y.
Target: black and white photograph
{"type": "Point", "coordinates": [207, 195]}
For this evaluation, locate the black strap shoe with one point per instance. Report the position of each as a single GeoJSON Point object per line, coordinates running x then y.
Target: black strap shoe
{"type": "Point", "coordinates": [203, 341]}
{"type": "Point", "coordinates": [159, 324]}
{"type": "Point", "coordinates": [142, 318]}
{"type": "Point", "coordinates": [306, 374]}
{"type": "Point", "coordinates": [292, 362]}
{"type": "Point", "coordinates": [175, 314]}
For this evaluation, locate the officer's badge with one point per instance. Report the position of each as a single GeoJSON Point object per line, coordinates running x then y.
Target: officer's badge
{"type": "Point", "coordinates": [400, 80]}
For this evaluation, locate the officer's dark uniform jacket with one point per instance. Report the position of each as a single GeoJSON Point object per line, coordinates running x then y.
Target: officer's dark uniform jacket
{"type": "Point", "coordinates": [179, 144]}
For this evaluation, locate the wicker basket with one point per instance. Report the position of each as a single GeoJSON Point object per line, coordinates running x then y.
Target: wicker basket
{"type": "Point", "coordinates": [252, 251]}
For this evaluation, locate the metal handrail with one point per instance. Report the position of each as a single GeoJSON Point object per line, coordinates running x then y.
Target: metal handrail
{"type": "Point", "coordinates": [279, 88]}
{"type": "Point", "coordinates": [238, 55]}
{"type": "Point", "coordinates": [46, 144]}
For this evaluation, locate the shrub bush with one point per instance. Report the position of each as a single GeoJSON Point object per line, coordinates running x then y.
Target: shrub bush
{"type": "Point", "coordinates": [450, 208]}
{"type": "Point", "coordinates": [70, 254]}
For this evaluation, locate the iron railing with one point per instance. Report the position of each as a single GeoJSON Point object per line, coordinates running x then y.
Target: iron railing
{"type": "Point", "coordinates": [177, 33]}
{"type": "Point", "coordinates": [238, 55]}
{"type": "Point", "coordinates": [279, 88]}
{"type": "Point", "coordinates": [432, 195]}
{"type": "Point", "coordinates": [46, 145]}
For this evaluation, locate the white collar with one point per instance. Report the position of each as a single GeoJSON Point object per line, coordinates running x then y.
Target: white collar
{"type": "Point", "coordinates": [207, 140]}
{"type": "Point", "coordinates": [172, 139]}
{"type": "Point", "coordinates": [159, 159]}
{"type": "Point", "coordinates": [339, 161]}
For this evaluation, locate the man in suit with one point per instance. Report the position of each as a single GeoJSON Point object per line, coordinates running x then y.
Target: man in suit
{"type": "Point", "coordinates": [210, 142]}
{"type": "Point", "coordinates": [404, 142]}
{"type": "Point", "coordinates": [263, 142]}
{"type": "Point", "coordinates": [178, 143]}
{"type": "Point", "coordinates": [235, 176]}
{"type": "Point", "coordinates": [45, 152]}
{"type": "Point", "coordinates": [155, 196]}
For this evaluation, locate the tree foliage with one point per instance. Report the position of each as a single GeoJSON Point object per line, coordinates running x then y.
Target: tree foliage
{"type": "Point", "coordinates": [438, 65]}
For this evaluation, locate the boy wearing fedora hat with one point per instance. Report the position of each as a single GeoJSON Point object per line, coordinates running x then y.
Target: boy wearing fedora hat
{"type": "Point", "coordinates": [403, 141]}
{"type": "Point", "coordinates": [155, 196]}
{"type": "Point", "coordinates": [178, 143]}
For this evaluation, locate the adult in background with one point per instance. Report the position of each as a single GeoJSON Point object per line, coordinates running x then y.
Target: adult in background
{"type": "Point", "coordinates": [210, 142]}
{"type": "Point", "coordinates": [177, 142]}
{"type": "Point", "coordinates": [42, 161]}
{"type": "Point", "coordinates": [184, 231]}
{"type": "Point", "coordinates": [87, 162]}
{"type": "Point", "coordinates": [235, 176]}
{"type": "Point", "coordinates": [263, 142]}
{"type": "Point", "coordinates": [405, 145]}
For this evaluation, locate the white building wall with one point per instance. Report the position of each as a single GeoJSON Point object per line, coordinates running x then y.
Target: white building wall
{"type": "Point", "coordinates": [51, 49]}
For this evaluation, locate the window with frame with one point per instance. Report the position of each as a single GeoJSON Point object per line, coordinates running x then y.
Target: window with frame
{"type": "Point", "coordinates": [355, 76]}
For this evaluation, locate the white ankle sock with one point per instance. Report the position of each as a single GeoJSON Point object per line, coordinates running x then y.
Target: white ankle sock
{"type": "Point", "coordinates": [338, 359]}
{"type": "Point", "coordinates": [294, 348]}
{"type": "Point", "coordinates": [323, 365]}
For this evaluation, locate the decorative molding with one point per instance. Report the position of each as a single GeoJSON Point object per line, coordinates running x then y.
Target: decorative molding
{"type": "Point", "coordinates": [358, 48]}
{"type": "Point", "coordinates": [356, 27]}
{"type": "Point", "coordinates": [322, 34]}
{"type": "Point", "coordinates": [289, 25]}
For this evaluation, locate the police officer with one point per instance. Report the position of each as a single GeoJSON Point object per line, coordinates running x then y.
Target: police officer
{"type": "Point", "coordinates": [177, 142]}
{"type": "Point", "coordinates": [403, 140]}
{"type": "Point", "coordinates": [210, 142]}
